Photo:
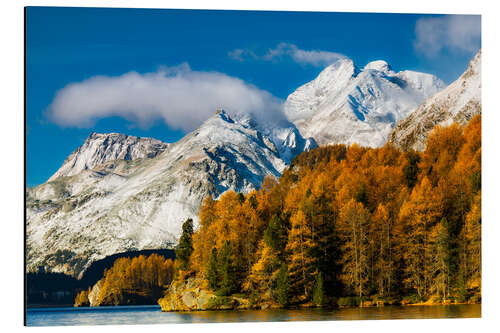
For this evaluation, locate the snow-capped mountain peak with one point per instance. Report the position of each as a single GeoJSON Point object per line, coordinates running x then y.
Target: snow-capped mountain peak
{"type": "Point", "coordinates": [378, 65]}
{"type": "Point", "coordinates": [100, 148]}
{"type": "Point", "coordinates": [347, 105]}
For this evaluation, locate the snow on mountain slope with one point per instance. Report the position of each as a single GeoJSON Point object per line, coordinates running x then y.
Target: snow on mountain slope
{"type": "Point", "coordinates": [459, 102]}
{"type": "Point", "coordinates": [124, 205]}
{"type": "Point", "coordinates": [100, 148]}
{"type": "Point", "coordinates": [283, 134]}
{"type": "Point", "coordinates": [345, 104]}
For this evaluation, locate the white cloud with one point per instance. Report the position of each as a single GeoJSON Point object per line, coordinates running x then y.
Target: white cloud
{"type": "Point", "coordinates": [179, 96]}
{"type": "Point", "coordinates": [241, 54]}
{"type": "Point", "coordinates": [303, 57]}
{"type": "Point", "coordinates": [453, 32]}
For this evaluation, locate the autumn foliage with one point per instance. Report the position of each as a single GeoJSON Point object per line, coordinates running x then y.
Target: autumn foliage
{"type": "Point", "coordinates": [138, 280]}
{"type": "Point", "coordinates": [354, 221]}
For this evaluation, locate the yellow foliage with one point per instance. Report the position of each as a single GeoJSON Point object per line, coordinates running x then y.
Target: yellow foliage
{"type": "Point", "coordinates": [378, 210]}
{"type": "Point", "coordinates": [139, 279]}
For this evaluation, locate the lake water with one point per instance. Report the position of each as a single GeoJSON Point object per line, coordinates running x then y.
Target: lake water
{"type": "Point", "coordinates": [114, 315]}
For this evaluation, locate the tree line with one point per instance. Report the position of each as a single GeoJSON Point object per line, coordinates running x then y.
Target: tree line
{"type": "Point", "coordinates": [350, 224]}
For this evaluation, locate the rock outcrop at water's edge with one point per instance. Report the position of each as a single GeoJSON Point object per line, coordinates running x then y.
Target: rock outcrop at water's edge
{"type": "Point", "coordinates": [193, 295]}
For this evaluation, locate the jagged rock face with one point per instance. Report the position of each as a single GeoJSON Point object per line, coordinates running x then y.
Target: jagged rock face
{"type": "Point", "coordinates": [459, 102]}
{"type": "Point", "coordinates": [123, 205]}
{"type": "Point", "coordinates": [101, 148]}
{"type": "Point", "coordinates": [345, 104]}
{"type": "Point", "coordinates": [290, 143]}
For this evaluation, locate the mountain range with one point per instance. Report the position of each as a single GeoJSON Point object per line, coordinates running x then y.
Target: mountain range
{"type": "Point", "coordinates": [119, 193]}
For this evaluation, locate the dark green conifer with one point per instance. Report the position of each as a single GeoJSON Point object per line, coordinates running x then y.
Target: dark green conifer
{"type": "Point", "coordinates": [276, 234]}
{"type": "Point", "coordinates": [212, 270]}
{"type": "Point", "coordinates": [411, 169]}
{"type": "Point", "coordinates": [185, 246]}
{"type": "Point", "coordinates": [226, 270]}
{"type": "Point", "coordinates": [241, 198]}
{"type": "Point", "coordinates": [282, 286]}
{"type": "Point", "coordinates": [253, 201]}
{"type": "Point", "coordinates": [318, 290]}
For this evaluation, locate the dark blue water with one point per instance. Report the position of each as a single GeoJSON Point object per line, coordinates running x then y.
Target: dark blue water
{"type": "Point", "coordinates": [129, 315]}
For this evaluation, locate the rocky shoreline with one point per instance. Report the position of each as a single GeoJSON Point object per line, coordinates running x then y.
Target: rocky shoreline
{"type": "Point", "coordinates": [193, 294]}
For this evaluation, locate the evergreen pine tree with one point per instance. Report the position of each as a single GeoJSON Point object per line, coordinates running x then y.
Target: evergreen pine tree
{"type": "Point", "coordinates": [185, 246]}
{"type": "Point", "coordinates": [226, 270]}
{"type": "Point", "coordinates": [212, 270]}
{"type": "Point", "coordinates": [253, 201]}
{"type": "Point", "coordinates": [241, 198]}
{"type": "Point", "coordinates": [318, 290]}
{"type": "Point", "coordinates": [411, 169]}
{"type": "Point", "coordinates": [276, 234]}
{"type": "Point", "coordinates": [282, 286]}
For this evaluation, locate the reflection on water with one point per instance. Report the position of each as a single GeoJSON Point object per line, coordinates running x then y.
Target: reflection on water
{"type": "Point", "coordinates": [114, 315]}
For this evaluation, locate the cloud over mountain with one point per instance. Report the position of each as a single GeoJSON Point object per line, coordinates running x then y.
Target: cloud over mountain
{"type": "Point", "coordinates": [451, 32]}
{"type": "Point", "coordinates": [283, 50]}
{"type": "Point", "coordinates": [179, 96]}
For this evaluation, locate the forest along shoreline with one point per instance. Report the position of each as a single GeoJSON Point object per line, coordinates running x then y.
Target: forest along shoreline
{"type": "Point", "coordinates": [342, 227]}
{"type": "Point", "coordinates": [49, 289]}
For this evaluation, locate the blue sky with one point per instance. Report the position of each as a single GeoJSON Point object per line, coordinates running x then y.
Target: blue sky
{"type": "Point", "coordinates": [81, 63]}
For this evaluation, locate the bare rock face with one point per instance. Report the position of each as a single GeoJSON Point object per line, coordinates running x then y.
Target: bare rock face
{"type": "Point", "coordinates": [129, 202]}
{"type": "Point", "coordinates": [459, 102]}
{"type": "Point", "coordinates": [193, 295]}
{"type": "Point", "coordinates": [187, 295]}
{"type": "Point", "coordinates": [101, 148]}
{"type": "Point", "coordinates": [346, 104]}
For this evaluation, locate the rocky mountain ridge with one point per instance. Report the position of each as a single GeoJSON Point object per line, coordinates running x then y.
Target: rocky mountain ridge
{"type": "Point", "coordinates": [459, 102]}
{"type": "Point", "coordinates": [101, 148]}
